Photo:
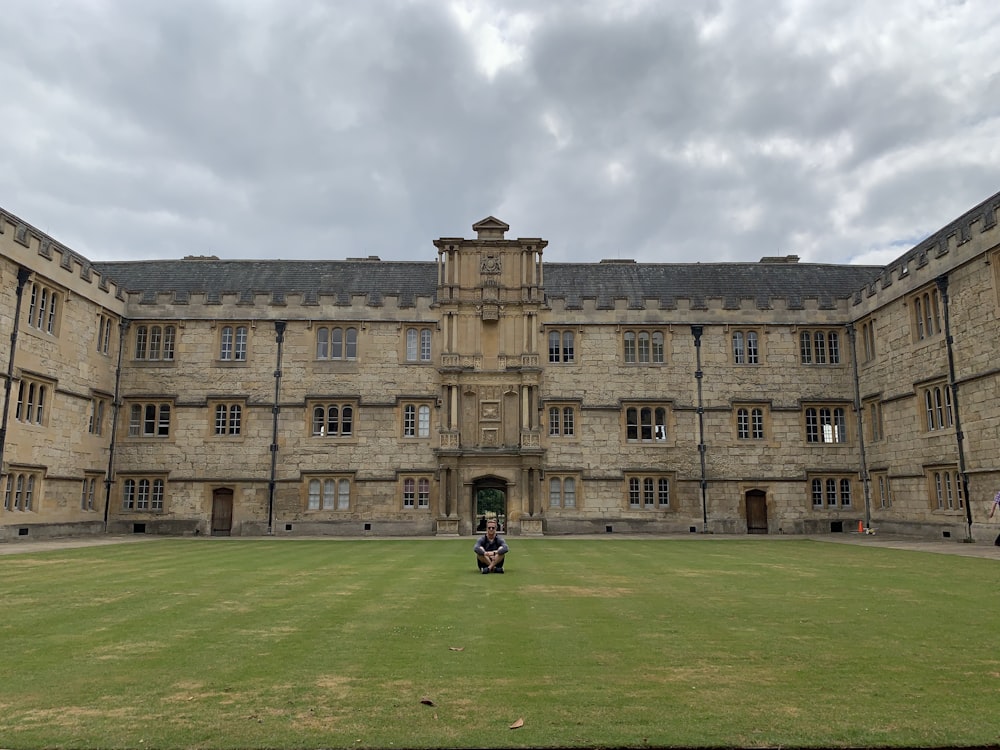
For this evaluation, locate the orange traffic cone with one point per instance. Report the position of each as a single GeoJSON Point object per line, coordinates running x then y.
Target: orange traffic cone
{"type": "Point", "coordinates": [861, 527]}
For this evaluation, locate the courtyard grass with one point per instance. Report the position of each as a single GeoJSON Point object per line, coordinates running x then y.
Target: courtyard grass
{"type": "Point", "coordinates": [602, 642]}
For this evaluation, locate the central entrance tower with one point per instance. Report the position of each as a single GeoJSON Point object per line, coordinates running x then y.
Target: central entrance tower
{"type": "Point", "coordinates": [489, 296]}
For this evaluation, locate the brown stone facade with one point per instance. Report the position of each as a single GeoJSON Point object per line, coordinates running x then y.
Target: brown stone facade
{"type": "Point", "coordinates": [565, 399]}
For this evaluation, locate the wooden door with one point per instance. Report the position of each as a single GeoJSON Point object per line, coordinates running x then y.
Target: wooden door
{"type": "Point", "coordinates": [222, 512]}
{"type": "Point", "coordinates": [756, 512]}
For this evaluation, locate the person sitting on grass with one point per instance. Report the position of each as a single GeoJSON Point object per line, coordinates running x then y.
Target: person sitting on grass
{"type": "Point", "coordinates": [490, 550]}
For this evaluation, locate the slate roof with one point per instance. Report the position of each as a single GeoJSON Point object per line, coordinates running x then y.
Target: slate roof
{"type": "Point", "coordinates": [573, 282]}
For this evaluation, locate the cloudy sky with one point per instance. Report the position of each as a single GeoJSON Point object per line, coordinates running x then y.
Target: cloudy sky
{"type": "Point", "coordinates": [660, 130]}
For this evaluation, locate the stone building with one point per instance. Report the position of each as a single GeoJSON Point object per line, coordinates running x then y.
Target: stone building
{"type": "Point", "coordinates": [370, 397]}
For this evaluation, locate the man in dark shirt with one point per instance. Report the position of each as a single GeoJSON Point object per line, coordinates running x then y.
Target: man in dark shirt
{"type": "Point", "coordinates": [490, 550]}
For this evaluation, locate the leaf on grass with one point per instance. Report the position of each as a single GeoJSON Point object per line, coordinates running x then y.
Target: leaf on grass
{"type": "Point", "coordinates": [517, 724]}
{"type": "Point", "coordinates": [456, 648]}
{"type": "Point", "coordinates": [427, 701]}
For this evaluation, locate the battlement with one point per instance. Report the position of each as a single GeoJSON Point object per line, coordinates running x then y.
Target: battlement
{"type": "Point", "coordinates": [24, 244]}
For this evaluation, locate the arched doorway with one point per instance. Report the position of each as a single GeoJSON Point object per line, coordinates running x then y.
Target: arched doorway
{"type": "Point", "coordinates": [489, 501]}
{"type": "Point", "coordinates": [756, 501]}
{"type": "Point", "coordinates": [222, 512]}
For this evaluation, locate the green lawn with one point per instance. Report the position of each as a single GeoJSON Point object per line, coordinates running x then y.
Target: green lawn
{"type": "Point", "coordinates": [265, 643]}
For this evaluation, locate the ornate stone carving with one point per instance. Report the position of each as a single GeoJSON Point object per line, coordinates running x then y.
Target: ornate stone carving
{"type": "Point", "coordinates": [491, 264]}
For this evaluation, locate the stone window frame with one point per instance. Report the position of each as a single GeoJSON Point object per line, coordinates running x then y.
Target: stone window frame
{"type": "Point", "coordinates": [418, 344]}
{"type": "Point", "coordinates": [937, 411]}
{"type": "Point", "coordinates": [105, 323]}
{"type": "Point", "coordinates": [33, 400]}
{"type": "Point", "coordinates": [820, 347]}
{"type": "Point", "coordinates": [88, 490]}
{"type": "Point", "coordinates": [563, 490]}
{"type": "Point", "coordinates": [831, 491]}
{"type": "Point", "coordinates": [411, 424]}
{"type": "Point", "coordinates": [323, 433]}
{"type": "Point", "coordinates": [22, 490]}
{"type": "Point", "coordinates": [926, 321]}
{"type": "Point", "coordinates": [638, 425]}
{"type": "Point", "coordinates": [143, 493]}
{"type": "Point", "coordinates": [745, 353]}
{"type": "Point", "coordinates": [100, 407]}
{"type": "Point", "coordinates": [648, 490]}
{"type": "Point", "coordinates": [44, 310]}
{"type": "Point", "coordinates": [751, 421]}
{"type": "Point", "coordinates": [815, 425]}
{"type": "Point", "coordinates": [866, 329]}
{"type": "Point", "coordinates": [225, 415]}
{"type": "Point", "coordinates": [348, 344]}
{"type": "Point", "coordinates": [416, 491]}
{"type": "Point", "coordinates": [881, 488]}
{"type": "Point", "coordinates": [233, 343]}
{"type": "Point", "coordinates": [149, 419]}
{"type": "Point", "coordinates": [632, 346]}
{"type": "Point", "coordinates": [154, 342]}
{"type": "Point", "coordinates": [561, 420]}
{"type": "Point", "coordinates": [871, 416]}
{"type": "Point", "coordinates": [945, 491]}
{"type": "Point", "coordinates": [328, 492]}
{"type": "Point", "coordinates": [561, 346]}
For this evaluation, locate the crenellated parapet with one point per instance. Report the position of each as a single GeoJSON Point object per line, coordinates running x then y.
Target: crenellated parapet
{"type": "Point", "coordinates": [957, 243]}
{"type": "Point", "coordinates": [33, 249]}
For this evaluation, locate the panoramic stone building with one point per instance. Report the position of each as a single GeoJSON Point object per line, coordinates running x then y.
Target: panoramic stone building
{"type": "Point", "coordinates": [370, 397]}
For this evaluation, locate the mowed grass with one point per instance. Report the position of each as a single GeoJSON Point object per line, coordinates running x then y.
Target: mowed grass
{"type": "Point", "coordinates": [266, 643]}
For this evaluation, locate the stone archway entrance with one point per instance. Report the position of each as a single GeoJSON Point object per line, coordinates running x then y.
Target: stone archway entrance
{"type": "Point", "coordinates": [756, 501]}
{"type": "Point", "coordinates": [489, 501]}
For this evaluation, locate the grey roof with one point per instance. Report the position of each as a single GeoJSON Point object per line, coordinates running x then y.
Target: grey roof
{"type": "Point", "coordinates": [573, 282]}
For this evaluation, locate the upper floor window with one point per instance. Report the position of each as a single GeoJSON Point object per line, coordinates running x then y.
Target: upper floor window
{"type": "Point", "coordinates": [867, 329]}
{"type": "Point", "coordinates": [233, 343]}
{"type": "Point", "coordinates": [143, 493]}
{"type": "Point", "coordinates": [418, 344]}
{"type": "Point", "coordinates": [819, 347]}
{"type": "Point", "coordinates": [562, 492]}
{"type": "Point", "coordinates": [926, 314]}
{"type": "Point", "coordinates": [938, 412]}
{"type": "Point", "coordinates": [104, 326]}
{"type": "Point", "coordinates": [825, 424]}
{"type": "Point", "coordinates": [648, 492]}
{"type": "Point", "coordinates": [946, 492]}
{"type": "Point", "coordinates": [416, 493]}
{"type": "Point", "coordinates": [19, 493]}
{"type": "Point", "coordinates": [872, 413]}
{"type": "Point", "coordinates": [750, 423]}
{"type": "Point", "coordinates": [44, 308]}
{"type": "Point", "coordinates": [99, 407]}
{"type": "Point", "coordinates": [562, 347]}
{"type": "Point", "coordinates": [155, 342]}
{"type": "Point", "coordinates": [830, 492]}
{"type": "Point", "coordinates": [329, 493]}
{"type": "Point", "coordinates": [149, 419]}
{"type": "Point", "coordinates": [745, 348]}
{"type": "Point", "coordinates": [645, 424]}
{"type": "Point", "coordinates": [562, 421]}
{"type": "Point", "coordinates": [228, 419]}
{"type": "Point", "coordinates": [643, 347]}
{"type": "Point", "coordinates": [31, 401]}
{"type": "Point", "coordinates": [336, 343]}
{"type": "Point", "coordinates": [416, 420]}
{"type": "Point", "coordinates": [333, 420]}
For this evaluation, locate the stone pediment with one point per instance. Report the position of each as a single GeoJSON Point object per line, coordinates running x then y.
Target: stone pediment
{"type": "Point", "coordinates": [490, 228]}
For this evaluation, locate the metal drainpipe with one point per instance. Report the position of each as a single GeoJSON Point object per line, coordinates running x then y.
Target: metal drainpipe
{"type": "Point", "coordinates": [23, 274]}
{"type": "Point", "coordinates": [279, 330]}
{"type": "Point", "coordinates": [116, 405]}
{"type": "Point", "coordinates": [865, 479]}
{"type": "Point", "coordinates": [696, 331]}
{"type": "Point", "coordinates": [942, 285]}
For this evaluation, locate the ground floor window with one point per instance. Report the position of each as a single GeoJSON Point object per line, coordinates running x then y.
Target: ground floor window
{"type": "Point", "coordinates": [946, 490]}
{"type": "Point", "coordinates": [416, 492]}
{"type": "Point", "coordinates": [562, 491]}
{"type": "Point", "coordinates": [648, 492]}
{"type": "Point", "coordinates": [20, 491]}
{"type": "Point", "coordinates": [831, 491]}
{"type": "Point", "coordinates": [143, 494]}
{"type": "Point", "coordinates": [328, 493]}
